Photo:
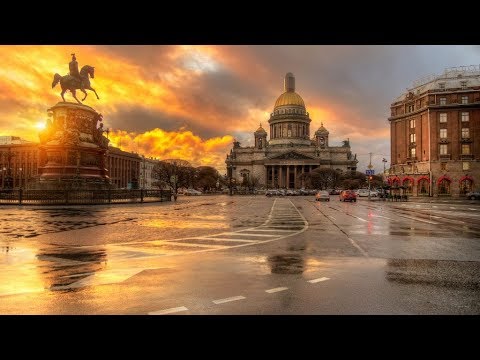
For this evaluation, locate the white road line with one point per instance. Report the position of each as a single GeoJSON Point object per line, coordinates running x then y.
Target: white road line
{"type": "Point", "coordinates": [359, 218]}
{"type": "Point", "coordinates": [471, 209]}
{"type": "Point", "coordinates": [274, 290]}
{"type": "Point", "coordinates": [434, 206]}
{"type": "Point", "coordinates": [234, 298]}
{"type": "Point", "coordinates": [425, 221]}
{"type": "Point", "coordinates": [168, 311]}
{"type": "Point", "coordinates": [380, 216]}
{"type": "Point", "coordinates": [192, 244]}
{"type": "Point", "coordinates": [245, 234]}
{"type": "Point", "coordinates": [451, 207]}
{"type": "Point", "coordinates": [273, 230]}
{"type": "Point", "coordinates": [330, 216]}
{"type": "Point", "coordinates": [225, 239]}
{"type": "Point", "coordinates": [318, 280]}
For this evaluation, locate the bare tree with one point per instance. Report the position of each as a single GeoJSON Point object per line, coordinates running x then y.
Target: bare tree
{"type": "Point", "coordinates": [323, 178]}
{"type": "Point", "coordinates": [172, 173]}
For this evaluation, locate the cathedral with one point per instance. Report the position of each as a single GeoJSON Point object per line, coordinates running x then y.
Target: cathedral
{"type": "Point", "coordinates": [290, 152]}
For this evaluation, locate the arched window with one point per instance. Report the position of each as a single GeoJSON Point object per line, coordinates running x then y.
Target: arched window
{"type": "Point", "coordinates": [396, 183]}
{"type": "Point", "coordinates": [466, 186]}
{"type": "Point", "coordinates": [444, 187]}
{"type": "Point", "coordinates": [423, 187]}
{"type": "Point", "coordinates": [408, 186]}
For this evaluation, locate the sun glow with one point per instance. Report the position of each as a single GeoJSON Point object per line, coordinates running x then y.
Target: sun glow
{"type": "Point", "coordinates": [40, 125]}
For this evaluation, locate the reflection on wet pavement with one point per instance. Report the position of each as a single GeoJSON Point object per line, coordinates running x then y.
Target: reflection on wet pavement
{"type": "Point", "coordinates": [444, 273]}
{"type": "Point", "coordinates": [286, 264]}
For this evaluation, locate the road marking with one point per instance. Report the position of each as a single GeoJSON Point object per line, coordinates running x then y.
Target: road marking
{"type": "Point", "coordinates": [168, 311]}
{"type": "Point", "coordinates": [434, 206]}
{"type": "Point", "coordinates": [330, 216]}
{"type": "Point", "coordinates": [245, 234]}
{"type": "Point", "coordinates": [425, 221]}
{"type": "Point", "coordinates": [451, 207]}
{"type": "Point", "coordinates": [359, 218]}
{"type": "Point", "coordinates": [223, 239]}
{"type": "Point", "coordinates": [318, 280]}
{"type": "Point", "coordinates": [380, 216]}
{"type": "Point", "coordinates": [234, 298]}
{"type": "Point", "coordinates": [273, 230]}
{"type": "Point", "coordinates": [274, 290]}
{"type": "Point", "coordinates": [471, 209]}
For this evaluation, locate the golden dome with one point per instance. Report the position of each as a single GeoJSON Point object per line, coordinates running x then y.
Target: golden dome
{"type": "Point", "coordinates": [260, 129]}
{"type": "Point", "coordinates": [289, 98]}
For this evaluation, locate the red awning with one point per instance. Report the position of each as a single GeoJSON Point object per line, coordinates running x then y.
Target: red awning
{"type": "Point", "coordinates": [444, 177]}
{"type": "Point", "coordinates": [408, 178]}
{"type": "Point", "coordinates": [423, 178]}
{"type": "Point", "coordinates": [466, 177]}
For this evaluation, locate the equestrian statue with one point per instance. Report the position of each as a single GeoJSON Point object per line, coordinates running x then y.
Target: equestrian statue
{"type": "Point", "coordinates": [75, 79]}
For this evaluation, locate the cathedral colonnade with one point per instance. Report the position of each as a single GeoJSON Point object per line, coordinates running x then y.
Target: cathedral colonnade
{"type": "Point", "coordinates": [286, 176]}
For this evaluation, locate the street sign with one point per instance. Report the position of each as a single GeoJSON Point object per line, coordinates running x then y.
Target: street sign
{"type": "Point", "coordinates": [369, 172]}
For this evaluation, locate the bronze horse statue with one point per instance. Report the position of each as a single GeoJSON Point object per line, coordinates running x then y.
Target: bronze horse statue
{"type": "Point", "coordinates": [71, 83]}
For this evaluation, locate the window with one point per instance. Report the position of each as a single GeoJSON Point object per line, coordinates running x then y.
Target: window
{"type": "Point", "coordinates": [423, 187]}
{"type": "Point", "coordinates": [412, 124]}
{"type": "Point", "coordinates": [443, 101]}
{"type": "Point", "coordinates": [443, 133]}
{"type": "Point", "coordinates": [466, 186]}
{"type": "Point", "coordinates": [465, 165]}
{"type": "Point", "coordinates": [443, 117]}
{"type": "Point", "coordinates": [464, 99]}
{"type": "Point", "coordinates": [413, 152]}
{"type": "Point", "coordinates": [444, 187]}
{"type": "Point", "coordinates": [411, 108]}
{"type": "Point", "coordinates": [465, 116]}
{"type": "Point", "coordinates": [463, 84]}
{"type": "Point", "coordinates": [443, 165]}
{"type": "Point", "coordinates": [465, 133]}
{"type": "Point", "coordinates": [443, 149]}
{"type": "Point", "coordinates": [412, 138]}
{"type": "Point", "coordinates": [465, 149]}
{"type": "Point", "coordinates": [441, 85]}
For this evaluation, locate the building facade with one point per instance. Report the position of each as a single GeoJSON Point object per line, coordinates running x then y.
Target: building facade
{"type": "Point", "coordinates": [290, 152]}
{"type": "Point", "coordinates": [18, 162]}
{"type": "Point", "coordinates": [123, 168]}
{"type": "Point", "coordinates": [435, 135]}
{"type": "Point", "coordinates": [146, 168]}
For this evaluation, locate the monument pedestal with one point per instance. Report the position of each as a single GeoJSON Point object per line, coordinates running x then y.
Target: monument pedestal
{"type": "Point", "coordinates": [72, 149]}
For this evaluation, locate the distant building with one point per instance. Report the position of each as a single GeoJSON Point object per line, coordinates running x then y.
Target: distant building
{"type": "Point", "coordinates": [18, 161]}
{"type": "Point", "coordinates": [19, 164]}
{"type": "Point", "coordinates": [123, 168]}
{"type": "Point", "coordinates": [290, 152]}
{"type": "Point", "coordinates": [146, 168]}
{"type": "Point", "coordinates": [435, 135]}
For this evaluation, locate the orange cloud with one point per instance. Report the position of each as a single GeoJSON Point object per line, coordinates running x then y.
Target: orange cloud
{"type": "Point", "coordinates": [184, 145]}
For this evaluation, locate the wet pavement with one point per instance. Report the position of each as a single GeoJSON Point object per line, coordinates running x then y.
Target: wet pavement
{"type": "Point", "coordinates": [242, 255]}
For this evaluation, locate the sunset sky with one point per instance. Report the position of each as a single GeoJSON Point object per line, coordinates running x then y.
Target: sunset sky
{"type": "Point", "coordinates": [191, 101]}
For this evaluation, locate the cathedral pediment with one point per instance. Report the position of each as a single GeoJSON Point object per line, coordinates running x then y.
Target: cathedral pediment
{"type": "Point", "coordinates": [292, 155]}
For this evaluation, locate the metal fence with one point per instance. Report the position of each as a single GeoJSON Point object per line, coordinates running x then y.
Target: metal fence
{"type": "Point", "coordinates": [81, 197]}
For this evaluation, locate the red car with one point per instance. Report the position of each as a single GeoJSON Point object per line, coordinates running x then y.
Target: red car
{"type": "Point", "coordinates": [348, 195]}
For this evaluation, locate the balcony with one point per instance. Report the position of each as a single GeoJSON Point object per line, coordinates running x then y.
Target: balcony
{"type": "Point", "coordinates": [444, 140]}
{"type": "Point", "coordinates": [444, 156]}
{"type": "Point", "coordinates": [466, 156]}
{"type": "Point", "coordinates": [466, 140]}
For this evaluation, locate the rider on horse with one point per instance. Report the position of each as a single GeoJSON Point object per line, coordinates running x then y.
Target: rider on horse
{"type": "Point", "coordinates": [73, 66]}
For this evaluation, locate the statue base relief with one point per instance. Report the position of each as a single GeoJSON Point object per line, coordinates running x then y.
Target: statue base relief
{"type": "Point", "coordinates": [72, 151]}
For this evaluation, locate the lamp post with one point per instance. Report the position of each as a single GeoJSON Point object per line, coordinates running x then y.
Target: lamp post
{"type": "Point", "coordinates": [230, 169]}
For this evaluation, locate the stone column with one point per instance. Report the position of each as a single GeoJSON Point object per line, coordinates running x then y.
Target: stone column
{"type": "Point", "coordinates": [303, 172]}
{"type": "Point", "coordinates": [288, 177]}
{"type": "Point", "coordinates": [280, 176]}
{"type": "Point", "coordinates": [295, 175]}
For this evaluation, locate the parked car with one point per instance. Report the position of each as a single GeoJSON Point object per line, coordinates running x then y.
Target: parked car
{"type": "Point", "coordinates": [335, 192]}
{"type": "Point", "coordinates": [272, 192]}
{"type": "Point", "coordinates": [348, 195]}
{"type": "Point", "coordinates": [322, 195]}
{"type": "Point", "coordinates": [473, 195]}
{"type": "Point", "coordinates": [192, 192]}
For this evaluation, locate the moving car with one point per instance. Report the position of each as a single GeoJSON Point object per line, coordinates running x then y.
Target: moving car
{"type": "Point", "coordinates": [473, 195]}
{"type": "Point", "coordinates": [348, 195]}
{"type": "Point", "coordinates": [322, 195]}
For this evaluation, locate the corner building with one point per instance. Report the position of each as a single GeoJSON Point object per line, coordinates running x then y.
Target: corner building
{"type": "Point", "coordinates": [435, 135]}
{"type": "Point", "coordinates": [290, 152]}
